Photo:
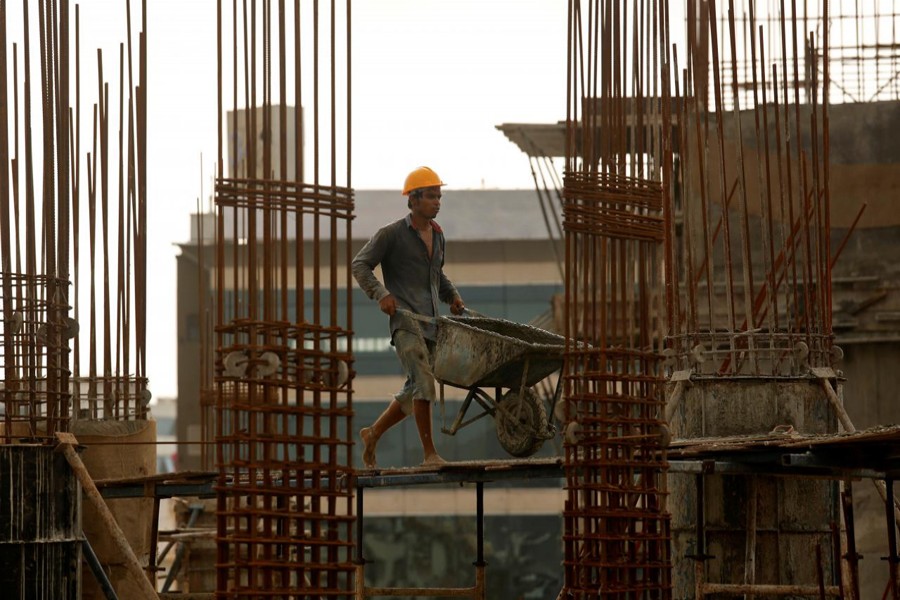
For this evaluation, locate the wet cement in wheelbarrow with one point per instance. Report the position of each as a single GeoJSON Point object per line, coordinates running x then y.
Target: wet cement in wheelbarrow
{"type": "Point", "coordinates": [510, 329]}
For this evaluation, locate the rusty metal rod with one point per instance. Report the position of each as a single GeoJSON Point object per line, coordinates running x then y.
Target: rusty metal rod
{"type": "Point", "coordinates": [5, 228]}
{"type": "Point", "coordinates": [720, 136]}
{"type": "Point", "coordinates": [743, 212]}
{"type": "Point", "coordinates": [788, 201]}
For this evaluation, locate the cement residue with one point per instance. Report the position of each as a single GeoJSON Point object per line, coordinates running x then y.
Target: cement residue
{"type": "Point", "coordinates": [510, 329]}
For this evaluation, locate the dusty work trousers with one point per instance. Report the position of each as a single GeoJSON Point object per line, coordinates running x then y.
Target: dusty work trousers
{"type": "Point", "coordinates": [416, 354]}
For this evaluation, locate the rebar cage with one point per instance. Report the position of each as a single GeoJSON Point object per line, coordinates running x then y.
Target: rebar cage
{"type": "Point", "coordinates": [282, 336]}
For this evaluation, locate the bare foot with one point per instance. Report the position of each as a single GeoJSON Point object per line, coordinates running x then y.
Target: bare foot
{"type": "Point", "coordinates": [433, 460]}
{"type": "Point", "coordinates": [369, 440]}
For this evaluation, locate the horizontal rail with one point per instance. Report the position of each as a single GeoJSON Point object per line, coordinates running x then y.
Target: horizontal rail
{"type": "Point", "coordinates": [440, 592]}
{"type": "Point", "coordinates": [740, 589]}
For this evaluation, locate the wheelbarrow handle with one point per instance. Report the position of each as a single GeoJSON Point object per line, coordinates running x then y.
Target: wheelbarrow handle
{"type": "Point", "coordinates": [416, 316]}
{"type": "Point", "coordinates": [468, 312]}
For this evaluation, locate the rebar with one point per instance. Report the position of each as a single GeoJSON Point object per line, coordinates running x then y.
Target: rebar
{"type": "Point", "coordinates": [748, 275]}
{"type": "Point", "coordinates": [45, 271]}
{"type": "Point", "coordinates": [618, 160]}
{"type": "Point", "coordinates": [777, 324]}
{"type": "Point", "coordinates": [282, 308]}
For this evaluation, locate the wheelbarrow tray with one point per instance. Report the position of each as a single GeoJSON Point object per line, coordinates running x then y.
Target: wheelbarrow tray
{"type": "Point", "coordinates": [489, 352]}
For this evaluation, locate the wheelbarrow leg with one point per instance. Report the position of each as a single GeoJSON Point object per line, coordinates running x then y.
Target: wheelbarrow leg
{"type": "Point", "coordinates": [557, 394]}
{"type": "Point", "coordinates": [524, 376]}
{"type": "Point", "coordinates": [460, 414]}
{"type": "Point", "coordinates": [441, 400]}
{"type": "Point", "coordinates": [479, 397]}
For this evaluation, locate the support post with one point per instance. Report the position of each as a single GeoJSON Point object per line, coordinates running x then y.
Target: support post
{"type": "Point", "coordinates": [479, 525]}
{"type": "Point", "coordinates": [892, 537]}
{"type": "Point", "coordinates": [154, 536]}
{"type": "Point", "coordinates": [700, 556]}
{"type": "Point", "coordinates": [851, 556]}
{"type": "Point", "coordinates": [750, 546]}
{"type": "Point", "coordinates": [480, 563]}
{"type": "Point", "coordinates": [360, 560]}
{"type": "Point", "coordinates": [838, 570]}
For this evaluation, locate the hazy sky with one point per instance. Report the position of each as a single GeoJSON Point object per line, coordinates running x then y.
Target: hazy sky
{"type": "Point", "coordinates": [431, 79]}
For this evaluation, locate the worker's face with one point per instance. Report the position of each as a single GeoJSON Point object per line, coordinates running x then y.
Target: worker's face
{"type": "Point", "coordinates": [428, 203]}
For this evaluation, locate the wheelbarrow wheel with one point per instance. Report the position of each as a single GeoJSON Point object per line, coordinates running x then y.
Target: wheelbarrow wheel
{"type": "Point", "coordinates": [521, 422]}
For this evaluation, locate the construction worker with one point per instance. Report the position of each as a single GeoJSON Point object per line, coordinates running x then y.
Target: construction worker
{"type": "Point", "coordinates": [411, 254]}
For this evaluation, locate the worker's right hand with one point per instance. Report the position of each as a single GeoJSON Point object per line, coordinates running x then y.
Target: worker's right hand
{"type": "Point", "coordinates": [388, 304]}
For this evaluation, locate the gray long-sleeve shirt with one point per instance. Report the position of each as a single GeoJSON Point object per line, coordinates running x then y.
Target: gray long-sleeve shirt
{"type": "Point", "coordinates": [416, 280]}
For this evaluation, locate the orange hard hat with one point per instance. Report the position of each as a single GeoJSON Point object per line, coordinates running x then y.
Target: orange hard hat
{"type": "Point", "coordinates": [422, 177]}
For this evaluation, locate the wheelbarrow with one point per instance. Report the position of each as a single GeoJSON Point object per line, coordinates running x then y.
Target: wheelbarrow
{"type": "Point", "coordinates": [476, 352]}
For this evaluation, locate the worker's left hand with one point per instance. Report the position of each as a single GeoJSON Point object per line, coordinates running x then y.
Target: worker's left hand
{"type": "Point", "coordinates": [457, 307]}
